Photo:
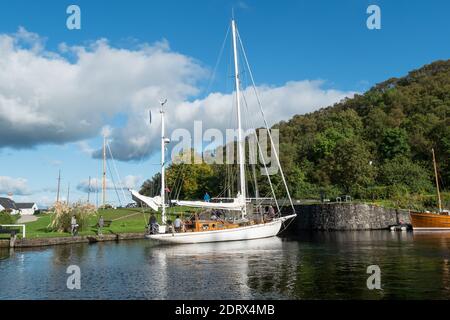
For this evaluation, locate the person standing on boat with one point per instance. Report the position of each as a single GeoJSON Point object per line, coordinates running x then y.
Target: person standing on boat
{"type": "Point", "coordinates": [207, 197]}
{"type": "Point", "coordinates": [177, 224]}
{"type": "Point", "coordinates": [261, 212]}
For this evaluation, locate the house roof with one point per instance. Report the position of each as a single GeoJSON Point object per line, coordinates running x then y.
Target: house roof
{"type": "Point", "coordinates": [8, 203]}
{"type": "Point", "coordinates": [25, 205]}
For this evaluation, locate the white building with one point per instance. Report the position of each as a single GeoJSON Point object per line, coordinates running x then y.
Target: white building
{"type": "Point", "coordinates": [27, 208]}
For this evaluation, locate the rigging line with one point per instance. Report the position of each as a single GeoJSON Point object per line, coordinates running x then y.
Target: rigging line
{"type": "Point", "coordinates": [264, 161]}
{"type": "Point", "coordinates": [218, 61]}
{"type": "Point", "coordinates": [265, 122]}
{"type": "Point", "coordinates": [114, 183]}
{"type": "Point", "coordinates": [253, 125]}
{"type": "Point", "coordinates": [179, 182]}
{"type": "Point", "coordinates": [250, 124]}
{"type": "Point", "coordinates": [117, 172]}
{"type": "Point", "coordinates": [180, 186]}
{"type": "Point", "coordinates": [251, 151]}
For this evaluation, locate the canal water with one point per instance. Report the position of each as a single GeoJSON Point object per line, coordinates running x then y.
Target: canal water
{"type": "Point", "coordinates": [319, 265]}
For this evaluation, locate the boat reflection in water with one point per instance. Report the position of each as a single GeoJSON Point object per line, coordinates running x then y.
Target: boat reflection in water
{"type": "Point", "coordinates": [213, 270]}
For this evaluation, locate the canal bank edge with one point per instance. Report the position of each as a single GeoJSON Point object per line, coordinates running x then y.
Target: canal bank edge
{"type": "Point", "coordinates": [40, 242]}
{"type": "Point", "coordinates": [347, 216]}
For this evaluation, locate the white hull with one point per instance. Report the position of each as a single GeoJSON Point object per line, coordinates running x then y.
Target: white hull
{"type": "Point", "coordinates": [257, 231]}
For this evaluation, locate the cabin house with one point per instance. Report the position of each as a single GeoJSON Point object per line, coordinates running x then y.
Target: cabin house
{"type": "Point", "coordinates": [27, 208]}
{"type": "Point", "coordinates": [8, 205]}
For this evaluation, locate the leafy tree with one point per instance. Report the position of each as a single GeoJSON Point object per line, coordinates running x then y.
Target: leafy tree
{"type": "Point", "coordinates": [394, 143]}
{"type": "Point", "coordinates": [401, 171]}
{"type": "Point", "coordinates": [350, 165]}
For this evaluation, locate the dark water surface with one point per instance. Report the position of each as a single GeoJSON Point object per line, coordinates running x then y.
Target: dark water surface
{"type": "Point", "coordinates": [321, 265]}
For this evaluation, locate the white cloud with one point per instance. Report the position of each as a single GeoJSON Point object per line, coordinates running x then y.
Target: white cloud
{"type": "Point", "coordinates": [46, 97]}
{"type": "Point", "coordinates": [17, 186]}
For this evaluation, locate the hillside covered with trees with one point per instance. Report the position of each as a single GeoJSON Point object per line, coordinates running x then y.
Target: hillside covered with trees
{"type": "Point", "coordinates": [374, 146]}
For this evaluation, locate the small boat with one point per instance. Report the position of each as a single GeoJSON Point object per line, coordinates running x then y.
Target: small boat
{"type": "Point", "coordinates": [221, 219]}
{"type": "Point", "coordinates": [429, 221]}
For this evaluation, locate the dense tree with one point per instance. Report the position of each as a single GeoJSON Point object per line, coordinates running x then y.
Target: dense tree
{"type": "Point", "coordinates": [394, 142]}
{"type": "Point", "coordinates": [401, 171]}
{"type": "Point", "coordinates": [367, 145]}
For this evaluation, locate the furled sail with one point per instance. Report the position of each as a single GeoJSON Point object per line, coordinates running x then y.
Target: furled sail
{"type": "Point", "coordinates": [237, 204]}
{"type": "Point", "coordinates": [153, 203]}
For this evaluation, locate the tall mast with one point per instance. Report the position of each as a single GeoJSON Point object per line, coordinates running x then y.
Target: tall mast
{"type": "Point", "coordinates": [241, 158]}
{"type": "Point", "coordinates": [104, 173]}
{"type": "Point", "coordinates": [59, 186]}
{"type": "Point", "coordinates": [68, 193]}
{"type": "Point", "coordinates": [89, 189]}
{"type": "Point", "coordinates": [437, 182]}
{"type": "Point", "coordinates": [163, 157]}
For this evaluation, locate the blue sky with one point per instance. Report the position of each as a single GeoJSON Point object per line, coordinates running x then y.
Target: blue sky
{"type": "Point", "coordinates": [286, 41]}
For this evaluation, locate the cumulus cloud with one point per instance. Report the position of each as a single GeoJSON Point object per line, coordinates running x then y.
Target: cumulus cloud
{"type": "Point", "coordinates": [17, 186]}
{"type": "Point", "coordinates": [72, 95]}
{"type": "Point", "coordinates": [45, 97]}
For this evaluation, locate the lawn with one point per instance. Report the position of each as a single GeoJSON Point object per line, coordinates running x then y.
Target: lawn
{"type": "Point", "coordinates": [123, 221]}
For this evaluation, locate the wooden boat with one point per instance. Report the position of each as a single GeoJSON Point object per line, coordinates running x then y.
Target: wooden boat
{"type": "Point", "coordinates": [429, 221]}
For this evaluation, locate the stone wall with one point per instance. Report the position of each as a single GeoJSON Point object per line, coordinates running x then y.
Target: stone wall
{"type": "Point", "coordinates": [39, 242]}
{"type": "Point", "coordinates": [347, 216]}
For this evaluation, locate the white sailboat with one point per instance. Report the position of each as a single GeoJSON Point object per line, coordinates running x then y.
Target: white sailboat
{"type": "Point", "coordinates": [200, 229]}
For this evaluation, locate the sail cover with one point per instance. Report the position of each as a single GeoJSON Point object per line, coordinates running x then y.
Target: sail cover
{"type": "Point", "coordinates": [153, 203]}
{"type": "Point", "coordinates": [237, 204]}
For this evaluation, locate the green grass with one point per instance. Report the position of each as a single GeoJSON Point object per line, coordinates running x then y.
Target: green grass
{"type": "Point", "coordinates": [124, 221]}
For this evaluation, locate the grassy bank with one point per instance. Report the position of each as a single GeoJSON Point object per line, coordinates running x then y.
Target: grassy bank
{"type": "Point", "coordinates": [123, 221]}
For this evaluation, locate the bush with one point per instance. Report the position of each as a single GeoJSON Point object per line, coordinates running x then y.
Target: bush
{"type": "Point", "coordinates": [62, 215]}
{"type": "Point", "coordinates": [7, 218]}
{"type": "Point", "coordinates": [372, 193]}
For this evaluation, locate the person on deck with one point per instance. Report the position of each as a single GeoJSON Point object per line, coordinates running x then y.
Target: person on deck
{"type": "Point", "coordinates": [177, 224]}
{"type": "Point", "coordinates": [271, 212]}
{"type": "Point", "coordinates": [207, 197]}
{"type": "Point", "coordinates": [261, 212]}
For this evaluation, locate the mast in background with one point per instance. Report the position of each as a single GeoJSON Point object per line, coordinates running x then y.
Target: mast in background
{"type": "Point", "coordinates": [104, 173]}
{"type": "Point", "coordinates": [238, 105]}
{"type": "Point", "coordinates": [59, 186]}
{"type": "Point", "coordinates": [437, 182]}
{"type": "Point", "coordinates": [89, 189]}
{"type": "Point", "coordinates": [163, 157]}
{"type": "Point", "coordinates": [68, 193]}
